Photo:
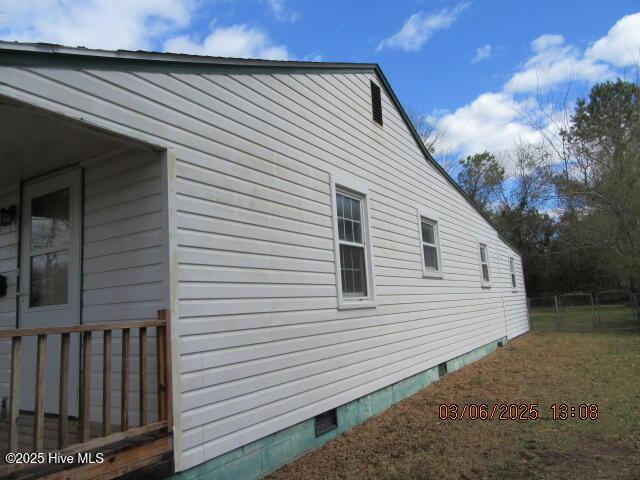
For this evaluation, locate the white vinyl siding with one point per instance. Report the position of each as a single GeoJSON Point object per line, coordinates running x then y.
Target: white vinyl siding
{"type": "Point", "coordinates": [123, 262]}
{"type": "Point", "coordinates": [515, 302]}
{"type": "Point", "coordinates": [9, 269]}
{"type": "Point", "coordinates": [263, 344]}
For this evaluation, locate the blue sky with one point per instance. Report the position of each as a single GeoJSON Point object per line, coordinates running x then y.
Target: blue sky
{"type": "Point", "coordinates": [474, 65]}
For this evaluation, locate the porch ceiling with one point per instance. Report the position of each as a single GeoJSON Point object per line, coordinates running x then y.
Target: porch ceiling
{"type": "Point", "coordinates": [33, 142]}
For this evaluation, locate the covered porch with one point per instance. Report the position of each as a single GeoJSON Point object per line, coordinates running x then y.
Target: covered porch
{"type": "Point", "coordinates": [85, 362]}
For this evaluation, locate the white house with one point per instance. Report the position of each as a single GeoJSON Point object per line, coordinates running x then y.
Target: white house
{"type": "Point", "coordinates": [316, 264]}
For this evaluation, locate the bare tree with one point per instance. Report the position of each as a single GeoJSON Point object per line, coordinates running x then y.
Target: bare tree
{"type": "Point", "coordinates": [604, 179]}
{"type": "Point", "coordinates": [433, 135]}
{"type": "Point", "coordinates": [594, 149]}
{"type": "Point", "coordinates": [530, 170]}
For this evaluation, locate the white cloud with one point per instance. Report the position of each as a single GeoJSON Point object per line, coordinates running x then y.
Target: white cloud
{"type": "Point", "coordinates": [108, 24]}
{"type": "Point", "coordinates": [495, 121]}
{"type": "Point", "coordinates": [235, 41]}
{"type": "Point", "coordinates": [482, 53]}
{"type": "Point", "coordinates": [132, 25]}
{"type": "Point", "coordinates": [313, 57]}
{"type": "Point", "coordinates": [280, 11]}
{"type": "Point", "coordinates": [621, 45]}
{"type": "Point", "coordinates": [419, 27]}
{"type": "Point", "coordinates": [555, 62]}
{"type": "Point", "coordinates": [490, 122]}
{"type": "Point", "coordinates": [548, 40]}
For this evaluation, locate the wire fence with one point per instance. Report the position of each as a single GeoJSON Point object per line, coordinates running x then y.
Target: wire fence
{"type": "Point", "coordinates": [586, 312]}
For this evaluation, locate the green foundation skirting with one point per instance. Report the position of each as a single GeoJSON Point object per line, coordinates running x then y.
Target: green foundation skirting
{"type": "Point", "coordinates": [265, 455]}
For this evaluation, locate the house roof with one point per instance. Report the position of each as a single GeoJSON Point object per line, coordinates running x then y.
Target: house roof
{"type": "Point", "coordinates": [143, 55]}
{"type": "Point", "coordinates": [18, 52]}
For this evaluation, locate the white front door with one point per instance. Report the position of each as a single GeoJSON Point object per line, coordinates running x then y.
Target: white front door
{"type": "Point", "coordinates": [50, 281]}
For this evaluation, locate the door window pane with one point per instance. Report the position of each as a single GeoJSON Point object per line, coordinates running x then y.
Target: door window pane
{"type": "Point", "coordinates": [49, 279]}
{"type": "Point", "coordinates": [50, 220]}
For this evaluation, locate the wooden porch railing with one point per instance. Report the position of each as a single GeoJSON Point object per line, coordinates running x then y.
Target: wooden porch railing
{"type": "Point", "coordinates": [86, 332]}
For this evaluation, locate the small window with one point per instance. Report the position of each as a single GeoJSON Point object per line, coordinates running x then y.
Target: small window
{"type": "Point", "coordinates": [430, 246]}
{"type": "Point", "coordinates": [325, 422]}
{"type": "Point", "coordinates": [376, 103]}
{"type": "Point", "coordinates": [513, 273]}
{"type": "Point", "coordinates": [351, 240]}
{"type": "Point", "coordinates": [484, 263]}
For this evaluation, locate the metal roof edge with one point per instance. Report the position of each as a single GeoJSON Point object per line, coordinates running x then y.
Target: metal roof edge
{"type": "Point", "coordinates": [141, 55]}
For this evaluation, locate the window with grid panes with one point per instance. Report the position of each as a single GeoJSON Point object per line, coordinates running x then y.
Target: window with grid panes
{"type": "Point", "coordinates": [484, 263]}
{"type": "Point", "coordinates": [429, 231]}
{"type": "Point", "coordinates": [353, 268]}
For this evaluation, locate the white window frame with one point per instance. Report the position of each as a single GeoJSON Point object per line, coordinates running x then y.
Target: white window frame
{"type": "Point", "coordinates": [479, 244]}
{"type": "Point", "coordinates": [352, 186]}
{"type": "Point", "coordinates": [513, 279]}
{"type": "Point", "coordinates": [430, 216]}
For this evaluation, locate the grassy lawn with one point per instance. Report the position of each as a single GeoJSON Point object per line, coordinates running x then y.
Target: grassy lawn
{"type": "Point", "coordinates": [583, 318]}
{"type": "Point", "coordinates": [409, 441]}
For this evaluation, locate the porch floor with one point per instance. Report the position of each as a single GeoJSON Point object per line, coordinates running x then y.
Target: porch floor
{"type": "Point", "coordinates": [151, 451]}
{"type": "Point", "coordinates": [25, 437]}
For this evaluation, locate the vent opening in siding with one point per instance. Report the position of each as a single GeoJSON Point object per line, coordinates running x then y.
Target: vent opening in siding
{"type": "Point", "coordinates": [500, 343]}
{"type": "Point", "coordinates": [442, 369]}
{"type": "Point", "coordinates": [376, 103]}
{"type": "Point", "coordinates": [325, 422]}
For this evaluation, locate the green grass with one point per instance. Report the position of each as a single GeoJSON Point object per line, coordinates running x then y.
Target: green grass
{"type": "Point", "coordinates": [585, 318]}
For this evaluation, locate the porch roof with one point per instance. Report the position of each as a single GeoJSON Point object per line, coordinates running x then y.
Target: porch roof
{"type": "Point", "coordinates": [34, 141]}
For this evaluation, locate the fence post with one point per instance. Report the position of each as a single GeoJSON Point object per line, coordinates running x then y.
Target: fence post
{"type": "Point", "coordinates": [593, 309]}
{"type": "Point", "coordinates": [529, 313]}
{"type": "Point", "coordinates": [555, 298]}
{"type": "Point", "coordinates": [597, 311]}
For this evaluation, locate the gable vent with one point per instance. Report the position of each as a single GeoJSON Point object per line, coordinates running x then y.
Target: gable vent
{"type": "Point", "coordinates": [376, 103]}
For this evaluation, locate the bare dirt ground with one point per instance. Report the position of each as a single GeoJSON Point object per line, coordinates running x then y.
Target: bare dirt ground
{"type": "Point", "coordinates": [410, 441]}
